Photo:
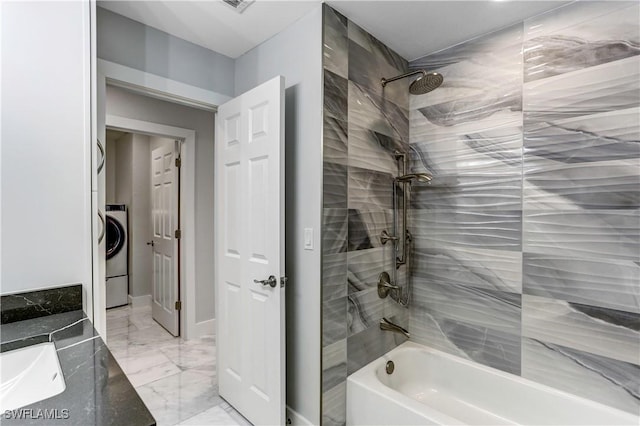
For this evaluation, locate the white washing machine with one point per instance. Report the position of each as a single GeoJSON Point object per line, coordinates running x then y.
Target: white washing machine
{"type": "Point", "coordinates": [117, 253]}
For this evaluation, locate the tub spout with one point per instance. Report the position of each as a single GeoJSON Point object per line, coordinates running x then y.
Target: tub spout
{"type": "Point", "coordinates": [387, 325]}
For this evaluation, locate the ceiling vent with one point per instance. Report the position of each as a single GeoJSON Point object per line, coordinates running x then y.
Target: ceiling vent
{"type": "Point", "coordinates": [239, 5]}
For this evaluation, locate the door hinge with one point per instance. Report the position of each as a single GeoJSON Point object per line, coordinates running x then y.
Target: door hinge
{"type": "Point", "coordinates": [178, 305]}
{"type": "Point", "coordinates": [178, 234]}
{"type": "Point", "coordinates": [178, 162]}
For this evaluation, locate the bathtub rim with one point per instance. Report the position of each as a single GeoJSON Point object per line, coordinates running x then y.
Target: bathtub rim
{"type": "Point", "coordinates": [366, 378]}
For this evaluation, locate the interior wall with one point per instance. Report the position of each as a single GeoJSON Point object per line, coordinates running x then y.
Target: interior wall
{"type": "Point", "coordinates": [135, 45]}
{"type": "Point", "coordinates": [133, 188]}
{"type": "Point", "coordinates": [528, 238]}
{"type": "Point", "coordinates": [110, 167]}
{"type": "Point", "coordinates": [295, 53]}
{"type": "Point", "coordinates": [126, 104]}
{"type": "Point", "coordinates": [46, 184]}
{"type": "Point", "coordinates": [364, 124]}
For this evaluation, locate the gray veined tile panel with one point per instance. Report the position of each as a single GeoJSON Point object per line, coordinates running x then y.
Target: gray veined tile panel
{"type": "Point", "coordinates": [397, 313]}
{"type": "Point", "coordinates": [588, 17]}
{"type": "Point", "coordinates": [611, 382]}
{"type": "Point", "coordinates": [493, 309]}
{"type": "Point", "coordinates": [369, 189]}
{"type": "Point", "coordinates": [334, 230]}
{"type": "Point", "coordinates": [334, 276]}
{"type": "Point", "coordinates": [599, 282]}
{"type": "Point", "coordinates": [584, 234]}
{"type": "Point", "coordinates": [470, 341]}
{"type": "Point", "coordinates": [607, 87]}
{"type": "Point", "coordinates": [469, 228]}
{"type": "Point", "coordinates": [367, 70]}
{"type": "Point", "coordinates": [334, 187]}
{"type": "Point", "coordinates": [334, 316]}
{"type": "Point", "coordinates": [484, 192]}
{"type": "Point", "coordinates": [580, 36]}
{"type": "Point", "coordinates": [334, 405]}
{"type": "Point", "coordinates": [490, 145]}
{"type": "Point", "coordinates": [471, 109]}
{"type": "Point", "coordinates": [334, 364]}
{"type": "Point", "coordinates": [481, 79]}
{"type": "Point", "coordinates": [371, 150]}
{"type": "Point", "coordinates": [370, 111]}
{"type": "Point", "coordinates": [364, 267]}
{"type": "Point", "coordinates": [549, 184]}
{"type": "Point", "coordinates": [494, 49]}
{"type": "Point", "coordinates": [483, 268]}
{"type": "Point", "coordinates": [335, 140]}
{"type": "Point", "coordinates": [600, 331]}
{"type": "Point", "coordinates": [335, 96]}
{"type": "Point", "coordinates": [365, 309]}
{"type": "Point", "coordinates": [375, 47]}
{"type": "Point", "coordinates": [582, 138]}
{"type": "Point", "coordinates": [365, 227]}
{"type": "Point", "coordinates": [370, 344]}
{"type": "Point", "coordinates": [551, 55]}
{"type": "Point", "coordinates": [336, 44]}
{"type": "Point", "coordinates": [430, 331]}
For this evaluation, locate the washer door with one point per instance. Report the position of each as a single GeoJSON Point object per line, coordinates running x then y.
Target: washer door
{"type": "Point", "coordinates": [116, 238]}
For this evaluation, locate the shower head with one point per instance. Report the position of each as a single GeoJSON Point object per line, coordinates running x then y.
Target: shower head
{"type": "Point", "coordinates": [421, 85]}
{"type": "Point", "coordinates": [420, 177]}
{"type": "Point", "coordinates": [426, 83]}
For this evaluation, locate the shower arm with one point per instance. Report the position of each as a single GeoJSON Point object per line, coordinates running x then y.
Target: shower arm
{"type": "Point", "coordinates": [384, 81]}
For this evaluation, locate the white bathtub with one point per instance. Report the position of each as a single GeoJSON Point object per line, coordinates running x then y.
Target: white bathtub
{"type": "Point", "coordinates": [429, 387]}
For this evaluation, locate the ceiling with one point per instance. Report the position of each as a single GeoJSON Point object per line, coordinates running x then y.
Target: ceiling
{"type": "Point", "coordinates": [214, 24]}
{"type": "Point", "coordinates": [411, 28]}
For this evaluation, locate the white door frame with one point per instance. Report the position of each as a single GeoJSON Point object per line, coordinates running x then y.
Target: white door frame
{"type": "Point", "coordinates": [187, 210]}
{"type": "Point", "coordinates": [173, 91]}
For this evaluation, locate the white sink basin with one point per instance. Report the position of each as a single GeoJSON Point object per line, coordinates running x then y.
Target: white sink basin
{"type": "Point", "coordinates": [29, 375]}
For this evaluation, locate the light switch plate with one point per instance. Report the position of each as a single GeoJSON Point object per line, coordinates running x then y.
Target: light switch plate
{"type": "Point", "coordinates": [308, 238]}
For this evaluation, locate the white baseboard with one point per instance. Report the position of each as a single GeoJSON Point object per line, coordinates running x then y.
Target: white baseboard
{"type": "Point", "coordinates": [205, 328]}
{"type": "Point", "coordinates": [140, 301]}
{"type": "Point", "coordinates": [296, 419]}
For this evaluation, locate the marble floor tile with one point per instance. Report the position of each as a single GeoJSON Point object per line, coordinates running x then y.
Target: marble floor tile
{"type": "Point", "coordinates": [176, 379]}
{"type": "Point", "coordinates": [235, 415]}
{"type": "Point", "coordinates": [179, 397]}
{"type": "Point", "coordinates": [145, 368]}
{"type": "Point", "coordinates": [213, 416]}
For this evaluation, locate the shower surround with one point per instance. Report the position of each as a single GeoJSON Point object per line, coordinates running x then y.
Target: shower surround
{"type": "Point", "coordinates": [528, 239]}
{"type": "Point", "coordinates": [363, 126]}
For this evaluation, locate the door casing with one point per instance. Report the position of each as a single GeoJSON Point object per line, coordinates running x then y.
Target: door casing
{"type": "Point", "coordinates": [107, 72]}
{"type": "Point", "coordinates": [188, 327]}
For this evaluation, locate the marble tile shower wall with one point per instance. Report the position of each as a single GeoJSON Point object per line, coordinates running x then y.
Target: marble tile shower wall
{"type": "Point", "coordinates": [363, 126]}
{"type": "Point", "coordinates": [528, 239]}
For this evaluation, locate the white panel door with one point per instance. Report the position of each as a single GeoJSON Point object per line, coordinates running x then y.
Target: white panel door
{"type": "Point", "coordinates": [164, 217]}
{"type": "Point", "coordinates": [249, 186]}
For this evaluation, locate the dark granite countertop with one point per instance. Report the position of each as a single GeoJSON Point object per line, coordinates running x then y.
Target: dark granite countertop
{"type": "Point", "coordinates": [97, 391]}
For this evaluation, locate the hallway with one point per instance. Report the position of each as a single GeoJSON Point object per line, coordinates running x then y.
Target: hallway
{"type": "Point", "coordinates": [176, 379]}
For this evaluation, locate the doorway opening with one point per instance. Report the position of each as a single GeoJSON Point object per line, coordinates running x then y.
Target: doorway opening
{"type": "Point", "coordinates": [142, 195]}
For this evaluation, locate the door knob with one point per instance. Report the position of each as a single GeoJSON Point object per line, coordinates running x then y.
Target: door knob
{"type": "Point", "coordinates": [151, 243]}
{"type": "Point", "coordinates": [271, 281]}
